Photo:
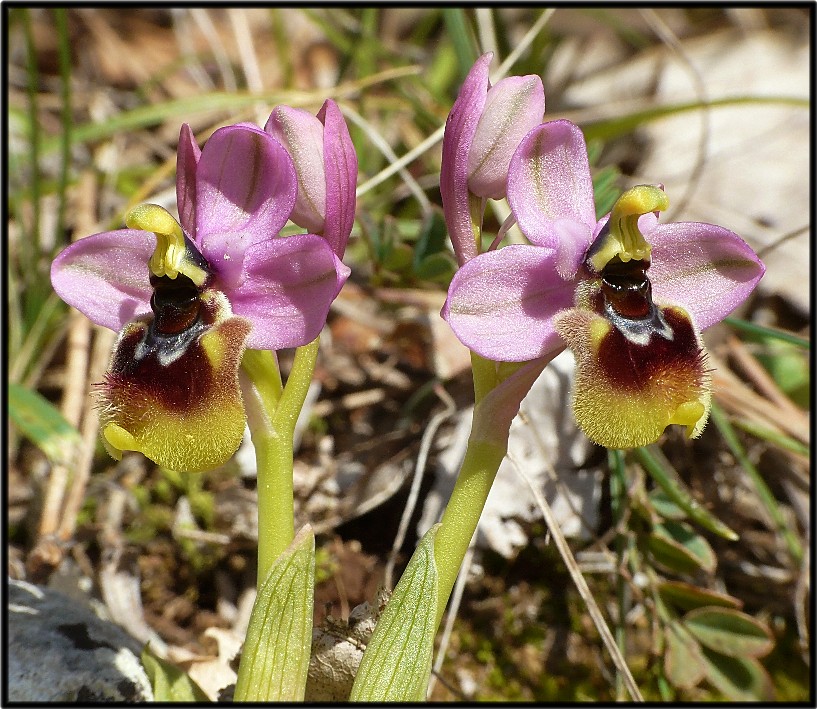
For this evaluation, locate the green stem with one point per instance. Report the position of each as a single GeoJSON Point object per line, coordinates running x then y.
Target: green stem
{"type": "Point", "coordinates": [276, 525]}
{"type": "Point", "coordinates": [296, 389]}
{"type": "Point", "coordinates": [262, 368]}
{"type": "Point", "coordinates": [462, 513]}
{"type": "Point", "coordinates": [485, 376]}
{"type": "Point", "coordinates": [618, 498]}
{"type": "Point", "coordinates": [274, 450]}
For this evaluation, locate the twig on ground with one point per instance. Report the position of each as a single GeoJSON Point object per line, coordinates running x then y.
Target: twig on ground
{"type": "Point", "coordinates": [581, 586]}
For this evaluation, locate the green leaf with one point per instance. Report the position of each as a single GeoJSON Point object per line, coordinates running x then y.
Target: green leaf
{"type": "Point", "coordinates": [397, 663]}
{"type": "Point", "coordinates": [741, 679]}
{"type": "Point", "coordinates": [660, 470]}
{"type": "Point", "coordinates": [170, 684]}
{"type": "Point", "coordinates": [605, 189]}
{"type": "Point", "coordinates": [439, 268]}
{"type": "Point", "coordinates": [459, 31]}
{"type": "Point", "coordinates": [764, 493]}
{"type": "Point", "coordinates": [730, 632]}
{"type": "Point", "coordinates": [676, 546]}
{"type": "Point", "coordinates": [431, 239]}
{"type": "Point", "coordinates": [683, 663]}
{"type": "Point", "coordinates": [772, 436]}
{"type": "Point", "coordinates": [664, 506]}
{"type": "Point", "coordinates": [686, 596]}
{"type": "Point", "coordinates": [275, 657]}
{"type": "Point", "coordinates": [789, 367]}
{"type": "Point", "coordinates": [398, 258]}
{"type": "Point", "coordinates": [40, 422]}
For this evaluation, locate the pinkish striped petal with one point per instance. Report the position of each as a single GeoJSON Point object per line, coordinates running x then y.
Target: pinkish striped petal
{"type": "Point", "coordinates": [501, 303]}
{"type": "Point", "coordinates": [549, 186]}
{"type": "Point", "coordinates": [246, 188]}
{"type": "Point", "coordinates": [288, 287]}
{"type": "Point", "coordinates": [301, 134]}
{"type": "Point", "coordinates": [340, 160]}
{"type": "Point", "coordinates": [704, 268]}
{"type": "Point", "coordinates": [187, 158]}
{"type": "Point", "coordinates": [105, 276]}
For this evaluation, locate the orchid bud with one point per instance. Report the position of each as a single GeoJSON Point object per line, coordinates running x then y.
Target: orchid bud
{"type": "Point", "coordinates": [326, 168]}
{"type": "Point", "coordinates": [485, 126]}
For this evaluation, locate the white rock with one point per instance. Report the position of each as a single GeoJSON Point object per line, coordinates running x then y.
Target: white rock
{"type": "Point", "coordinates": [546, 443]}
{"type": "Point", "coordinates": [59, 651]}
{"type": "Point", "coordinates": [756, 175]}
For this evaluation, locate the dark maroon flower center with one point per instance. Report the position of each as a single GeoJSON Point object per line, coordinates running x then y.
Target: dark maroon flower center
{"type": "Point", "coordinates": [626, 288]}
{"type": "Point", "coordinates": [175, 303]}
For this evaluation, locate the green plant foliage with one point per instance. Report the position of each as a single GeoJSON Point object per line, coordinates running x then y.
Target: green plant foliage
{"type": "Point", "coordinates": [431, 261]}
{"type": "Point", "coordinates": [741, 679]}
{"type": "Point", "coordinates": [687, 597]}
{"type": "Point", "coordinates": [169, 683]}
{"type": "Point", "coordinates": [676, 547]}
{"type": "Point", "coordinates": [659, 468]}
{"type": "Point", "coordinates": [789, 366]}
{"type": "Point", "coordinates": [683, 662]}
{"type": "Point", "coordinates": [730, 632]}
{"type": "Point", "coordinates": [40, 422]}
{"type": "Point", "coordinates": [279, 636]}
{"type": "Point", "coordinates": [397, 663]}
{"type": "Point", "coordinates": [664, 506]}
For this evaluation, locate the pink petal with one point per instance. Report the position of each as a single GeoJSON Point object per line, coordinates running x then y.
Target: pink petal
{"type": "Point", "coordinates": [340, 160]}
{"type": "Point", "coordinates": [704, 268]}
{"type": "Point", "coordinates": [301, 134]}
{"type": "Point", "coordinates": [105, 276]}
{"type": "Point", "coordinates": [501, 303]}
{"type": "Point", "coordinates": [549, 185]}
{"type": "Point", "coordinates": [460, 128]}
{"type": "Point", "coordinates": [512, 108]}
{"type": "Point", "coordinates": [187, 158]}
{"type": "Point", "coordinates": [289, 286]}
{"type": "Point", "coordinates": [246, 187]}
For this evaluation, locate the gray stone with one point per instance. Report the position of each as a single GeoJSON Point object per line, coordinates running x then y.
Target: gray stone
{"type": "Point", "coordinates": [59, 651]}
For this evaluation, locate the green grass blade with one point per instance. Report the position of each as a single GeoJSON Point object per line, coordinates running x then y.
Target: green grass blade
{"type": "Point", "coordinates": [660, 470]}
{"type": "Point", "coordinates": [66, 116]}
{"type": "Point", "coordinates": [156, 113]}
{"type": "Point", "coordinates": [774, 437]}
{"type": "Point", "coordinates": [767, 499]}
{"type": "Point", "coordinates": [609, 128]}
{"type": "Point", "coordinates": [764, 331]}
{"type": "Point", "coordinates": [30, 262]}
{"type": "Point", "coordinates": [456, 22]}
{"type": "Point", "coordinates": [40, 421]}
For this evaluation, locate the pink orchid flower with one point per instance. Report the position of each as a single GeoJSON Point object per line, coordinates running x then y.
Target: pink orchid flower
{"type": "Point", "coordinates": [642, 291]}
{"type": "Point", "coordinates": [483, 129]}
{"type": "Point", "coordinates": [188, 297]}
